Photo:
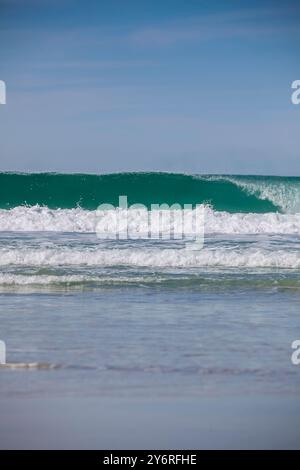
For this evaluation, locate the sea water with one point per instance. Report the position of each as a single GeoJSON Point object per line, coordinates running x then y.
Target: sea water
{"type": "Point", "coordinates": [88, 318]}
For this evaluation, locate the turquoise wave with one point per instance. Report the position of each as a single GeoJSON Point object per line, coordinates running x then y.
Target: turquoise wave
{"type": "Point", "coordinates": [231, 193]}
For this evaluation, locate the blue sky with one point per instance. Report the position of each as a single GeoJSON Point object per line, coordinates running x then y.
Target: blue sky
{"type": "Point", "coordinates": [170, 85]}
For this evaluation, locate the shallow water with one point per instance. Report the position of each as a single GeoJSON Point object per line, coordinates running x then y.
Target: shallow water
{"type": "Point", "coordinates": [214, 335]}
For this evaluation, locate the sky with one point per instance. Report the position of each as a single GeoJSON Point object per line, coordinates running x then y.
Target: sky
{"type": "Point", "coordinates": [171, 85]}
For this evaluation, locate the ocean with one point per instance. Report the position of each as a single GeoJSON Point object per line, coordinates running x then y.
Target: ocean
{"type": "Point", "coordinates": [101, 321]}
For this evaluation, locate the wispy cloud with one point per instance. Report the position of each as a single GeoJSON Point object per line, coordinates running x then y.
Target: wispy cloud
{"type": "Point", "coordinates": [95, 64]}
{"type": "Point", "coordinates": [248, 23]}
{"type": "Point", "coordinates": [239, 23]}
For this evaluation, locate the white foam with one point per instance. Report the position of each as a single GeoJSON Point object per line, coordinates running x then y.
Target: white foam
{"type": "Point", "coordinates": [152, 257]}
{"type": "Point", "coordinates": [29, 365]}
{"type": "Point", "coordinates": [284, 194]}
{"type": "Point", "coordinates": [78, 220]}
{"type": "Point", "coordinates": [37, 218]}
{"type": "Point", "coordinates": [8, 279]}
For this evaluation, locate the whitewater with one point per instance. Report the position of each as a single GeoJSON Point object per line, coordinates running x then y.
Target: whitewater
{"type": "Point", "coordinates": [39, 218]}
{"type": "Point", "coordinates": [155, 257]}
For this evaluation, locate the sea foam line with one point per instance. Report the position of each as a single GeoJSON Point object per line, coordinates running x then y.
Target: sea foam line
{"type": "Point", "coordinates": [152, 257]}
{"type": "Point", "coordinates": [38, 218]}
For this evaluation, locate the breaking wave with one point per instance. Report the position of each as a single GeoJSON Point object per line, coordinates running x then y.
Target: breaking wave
{"type": "Point", "coordinates": [258, 194]}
